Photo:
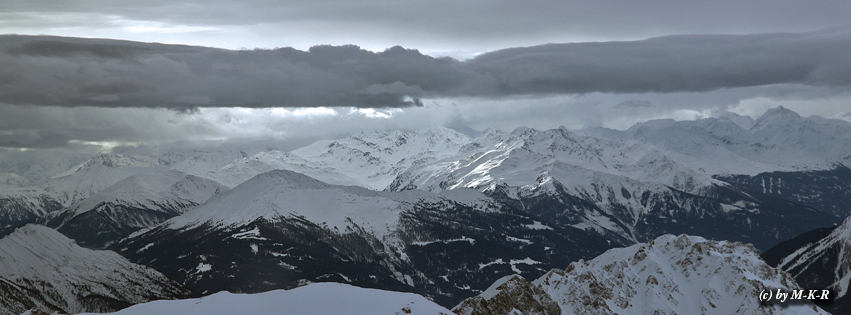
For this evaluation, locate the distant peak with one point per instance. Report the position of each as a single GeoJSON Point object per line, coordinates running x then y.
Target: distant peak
{"type": "Point", "coordinates": [775, 117]}
{"type": "Point", "coordinates": [745, 122]}
{"type": "Point", "coordinates": [779, 111]}
{"type": "Point", "coordinates": [522, 130]}
{"type": "Point", "coordinates": [290, 179]}
{"type": "Point", "coordinates": [465, 130]}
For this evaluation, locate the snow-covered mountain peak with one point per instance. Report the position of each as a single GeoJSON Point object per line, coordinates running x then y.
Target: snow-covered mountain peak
{"type": "Point", "coordinates": [775, 118]}
{"type": "Point", "coordinates": [668, 275]}
{"type": "Point", "coordinates": [642, 128]}
{"type": "Point", "coordinates": [567, 147]}
{"type": "Point", "coordinates": [118, 163]}
{"type": "Point", "coordinates": [283, 194]}
{"type": "Point", "coordinates": [671, 275]}
{"type": "Point", "coordinates": [744, 122]}
{"type": "Point", "coordinates": [375, 158]}
{"type": "Point", "coordinates": [288, 179]}
{"type": "Point", "coordinates": [245, 168]}
{"type": "Point", "coordinates": [780, 140]}
{"type": "Point", "coordinates": [491, 138]}
{"type": "Point", "coordinates": [510, 295]}
{"type": "Point", "coordinates": [393, 139]}
{"type": "Point", "coordinates": [111, 160]}
{"type": "Point", "coordinates": [136, 202]}
{"type": "Point", "coordinates": [519, 131]}
{"type": "Point", "coordinates": [154, 187]}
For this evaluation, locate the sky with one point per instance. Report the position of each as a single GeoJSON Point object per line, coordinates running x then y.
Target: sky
{"type": "Point", "coordinates": [89, 74]}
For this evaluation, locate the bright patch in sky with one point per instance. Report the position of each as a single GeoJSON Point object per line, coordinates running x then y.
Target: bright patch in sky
{"type": "Point", "coordinates": [302, 112]}
{"type": "Point", "coordinates": [160, 28]}
{"type": "Point", "coordinates": [376, 113]}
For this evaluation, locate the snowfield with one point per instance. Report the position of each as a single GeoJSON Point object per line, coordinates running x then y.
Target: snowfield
{"type": "Point", "coordinates": [312, 299]}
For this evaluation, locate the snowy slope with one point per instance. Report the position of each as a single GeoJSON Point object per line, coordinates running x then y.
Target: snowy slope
{"type": "Point", "coordinates": [312, 299]}
{"type": "Point", "coordinates": [41, 268]}
{"type": "Point", "coordinates": [375, 158]}
{"type": "Point", "coordinates": [819, 259]}
{"type": "Point", "coordinates": [668, 275]}
{"type": "Point", "coordinates": [19, 205]}
{"type": "Point", "coordinates": [136, 202]}
{"type": "Point", "coordinates": [201, 163]}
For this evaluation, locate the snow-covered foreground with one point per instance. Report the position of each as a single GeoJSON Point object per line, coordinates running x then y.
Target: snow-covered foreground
{"type": "Point", "coordinates": [313, 299]}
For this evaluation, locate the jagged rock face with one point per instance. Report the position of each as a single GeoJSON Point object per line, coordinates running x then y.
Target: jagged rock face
{"type": "Point", "coordinates": [294, 228]}
{"type": "Point", "coordinates": [820, 259]}
{"type": "Point", "coordinates": [671, 275]}
{"type": "Point", "coordinates": [510, 295]}
{"type": "Point", "coordinates": [40, 268]}
{"type": "Point", "coordinates": [668, 275]}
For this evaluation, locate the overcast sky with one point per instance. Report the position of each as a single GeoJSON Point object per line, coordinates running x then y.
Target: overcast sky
{"type": "Point", "coordinates": [292, 72]}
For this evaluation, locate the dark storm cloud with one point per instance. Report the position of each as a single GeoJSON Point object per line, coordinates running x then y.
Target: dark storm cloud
{"type": "Point", "coordinates": [33, 139]}
{"type": "Point", "coordinates": [82, 72]}
{"type": "Point", "coordinates": [62, 49]}
{"type": "Point", "coordinates": [116, 88]}
{"type": "Point", "coordinates": [673, 64]}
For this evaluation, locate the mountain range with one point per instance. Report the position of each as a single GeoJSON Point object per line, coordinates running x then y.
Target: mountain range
{"type": "Point", "coordinates": [453, 215]}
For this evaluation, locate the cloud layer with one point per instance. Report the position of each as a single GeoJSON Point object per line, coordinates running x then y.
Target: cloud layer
{"type": "Point", "coordinates": [673, 64]}
{"type": "Point", "coordinates": [68, 92]}
{"type": "Point", "coordinates": [431, 25]}
{"type": "Point", "coordinates": [55, 71]}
